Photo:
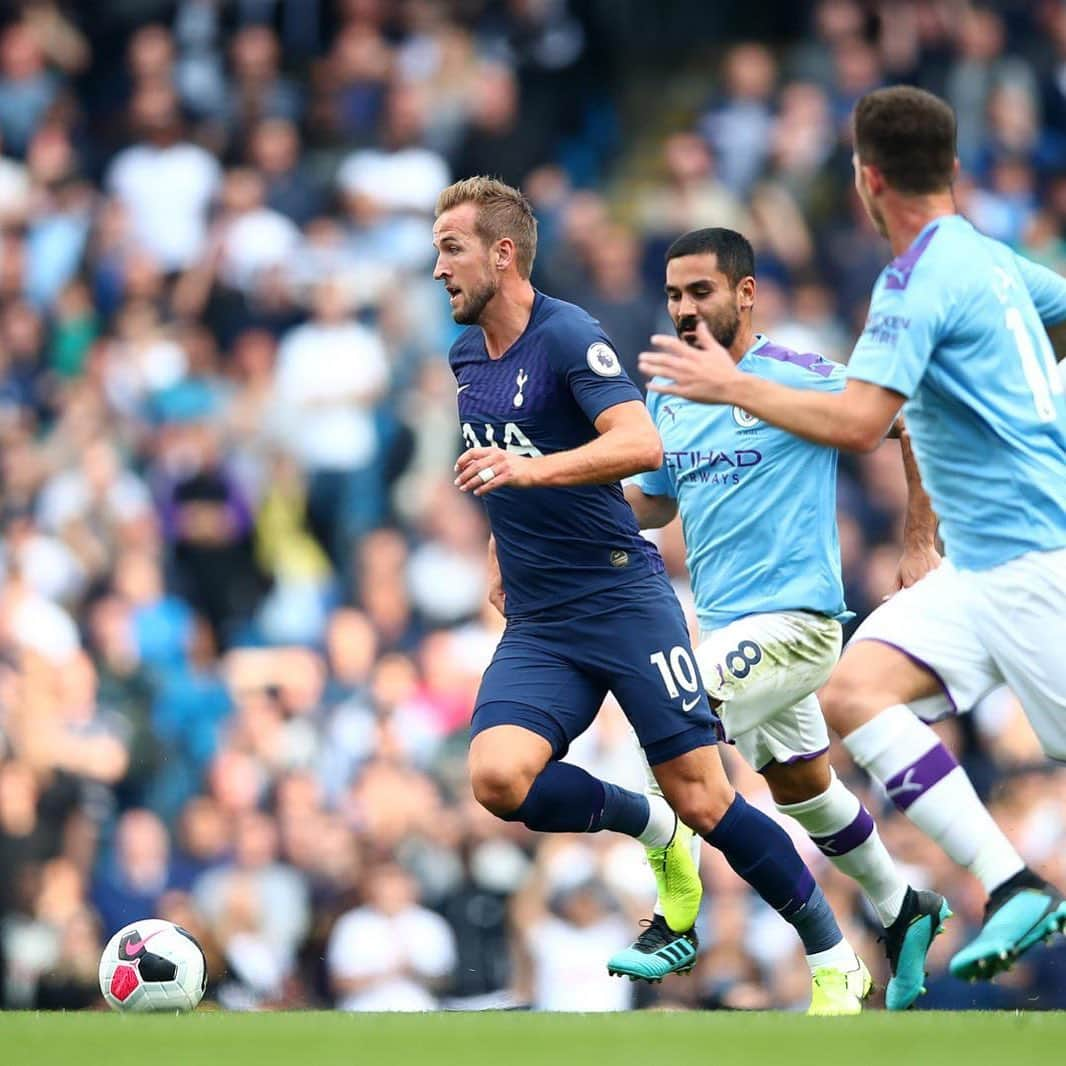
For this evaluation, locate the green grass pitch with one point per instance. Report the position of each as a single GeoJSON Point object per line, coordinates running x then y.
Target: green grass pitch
{"type": "Point", "coordinates": [643, 1039]}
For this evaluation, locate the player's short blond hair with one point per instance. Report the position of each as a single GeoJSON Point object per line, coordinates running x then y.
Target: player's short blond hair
{"type": "Point", "coordinates": [502, 211]}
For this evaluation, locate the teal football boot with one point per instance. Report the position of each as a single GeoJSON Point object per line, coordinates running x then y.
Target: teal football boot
{"type": "Point", "coordinates": [907, 942]}
{"type": "Point", "coordinates": [656, 953]}
{"type": "Point", "coordinates": [1019, 915]}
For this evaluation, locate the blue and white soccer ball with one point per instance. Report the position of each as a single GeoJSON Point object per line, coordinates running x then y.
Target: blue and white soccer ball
{"type": "Point", "coordinates": [153, 965]}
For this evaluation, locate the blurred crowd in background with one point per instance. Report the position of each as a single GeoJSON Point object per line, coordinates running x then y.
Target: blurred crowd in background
{"type": "Point", "coordinates": [242, 608]}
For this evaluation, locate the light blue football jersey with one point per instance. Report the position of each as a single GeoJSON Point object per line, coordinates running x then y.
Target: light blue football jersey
{"type": "Point", "coordinates": [758, 505]}
{"type": "Point", "coordinates": [956, 325]}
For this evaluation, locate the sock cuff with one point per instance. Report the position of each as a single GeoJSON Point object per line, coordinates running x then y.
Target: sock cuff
{"type": "Point", "coordinates": [836, 820]}
{"type": "Point", "coordinates": [728, 820]}
{"type": "Point", "coordinates": [885, 731]}
{"type": "Point", "coordinates": [797, 810]}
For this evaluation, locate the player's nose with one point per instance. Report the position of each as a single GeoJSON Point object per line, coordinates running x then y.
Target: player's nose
{"type": "Point", "coordinates": [439, 270]}
{"type": "Point", "coordinates": [686, 308]}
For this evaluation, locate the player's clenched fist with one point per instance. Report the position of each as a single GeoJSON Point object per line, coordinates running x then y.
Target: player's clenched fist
{"type": "Point", "coordinates": [481, 470]}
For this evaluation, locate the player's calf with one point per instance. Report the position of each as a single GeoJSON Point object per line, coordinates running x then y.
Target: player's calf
{"type": "Point", "coordinates": [696, 787]}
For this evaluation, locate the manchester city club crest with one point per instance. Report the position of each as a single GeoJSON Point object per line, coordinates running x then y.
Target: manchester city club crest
{"type": "Point", "coordinates": [743, 419]}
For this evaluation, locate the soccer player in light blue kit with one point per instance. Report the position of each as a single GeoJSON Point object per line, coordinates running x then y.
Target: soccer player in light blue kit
{"type": "Point", "coordinates": [758, 506]}
{"type": "Point", "coordinates": [955, 337]}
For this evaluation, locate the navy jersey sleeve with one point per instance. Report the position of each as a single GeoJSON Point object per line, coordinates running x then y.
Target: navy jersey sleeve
{"type": "Point", "coordinates": [582, 353]}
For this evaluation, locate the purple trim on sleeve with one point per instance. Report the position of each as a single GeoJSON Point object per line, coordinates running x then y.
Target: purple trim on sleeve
{"type": "Point", "coordinates": [912, 782]}
{"type": "Point", "coordinates": [898, 272]}
{"type": "Point", "coordinates": [811, 361]}
{"type": "Point", "coordinates": [847, 839]}
{"type": "Point", "coordinates": [924, 665]}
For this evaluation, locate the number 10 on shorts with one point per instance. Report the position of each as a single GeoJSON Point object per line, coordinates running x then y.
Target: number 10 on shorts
{"type": "Point", "coordinates": [677, 670]}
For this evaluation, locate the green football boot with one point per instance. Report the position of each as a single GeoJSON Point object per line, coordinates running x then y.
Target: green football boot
{"type": "Point", "coordinates": [677, 879]}
{"type": "Point", "coordinates": [668, 943]}
{"type": "Point", "coordinates": [837, 992]}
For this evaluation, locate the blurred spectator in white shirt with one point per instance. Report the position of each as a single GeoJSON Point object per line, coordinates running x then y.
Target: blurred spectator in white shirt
{"type": "Point", "coordinates": [331, 372]}
{"type": "Point", "coordinates": [253, 238]}
{"type": "Point", "coordinates": [164, 182]}
{"type": "Point", "coordinates": [390, 953]}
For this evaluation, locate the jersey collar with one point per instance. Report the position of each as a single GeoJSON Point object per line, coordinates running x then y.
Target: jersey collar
{"type": "Point", "coordinates": [760, 340]}
{"type": "Point", "coordinates": [538, 303]}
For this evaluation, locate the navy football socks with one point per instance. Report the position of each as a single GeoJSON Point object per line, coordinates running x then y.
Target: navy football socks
{"type": "Point", "coordinates": [566, 799]}
{"type": "Point", "coordinates": [763, 854]}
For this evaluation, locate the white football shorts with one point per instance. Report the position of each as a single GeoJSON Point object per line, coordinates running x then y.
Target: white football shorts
{"type": "Point", "coordinates": [765, 669]}
{"type": "Point", "coordinates": [975, 630]}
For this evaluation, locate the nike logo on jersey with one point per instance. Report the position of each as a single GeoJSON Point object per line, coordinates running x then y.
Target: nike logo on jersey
{"type": "Point", "coordinates": [460, 389]}
{"type": "Point", "coordinates": [687, 705]}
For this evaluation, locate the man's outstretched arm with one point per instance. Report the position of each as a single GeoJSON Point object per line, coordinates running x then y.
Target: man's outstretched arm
{"type": "Point", "coordinates": [855, 419]}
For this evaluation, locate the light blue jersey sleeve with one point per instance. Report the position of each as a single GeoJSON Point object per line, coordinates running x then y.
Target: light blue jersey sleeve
{"type": "Point", "coordinates": [1047, 289]}
{"type": "Point", "coordinates": [902, 329]}
{"type": "Point", "coordinates": [656, 482]}
{"type": "Point", "coordinates": [834, 381]}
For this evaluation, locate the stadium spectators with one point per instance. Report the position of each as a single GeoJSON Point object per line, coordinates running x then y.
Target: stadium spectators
{"type": "Point", "coordinates": [242, 613]}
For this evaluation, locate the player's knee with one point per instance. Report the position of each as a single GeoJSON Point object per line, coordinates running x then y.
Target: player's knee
{"type": "Point", "coordinates": [501, 789]}
{"type": "Point", "coordinates": [701, 806]}
{"type": "Point", "coordinates": [847, 702]}
{"type": "Point", "coordinates": [799, 781]}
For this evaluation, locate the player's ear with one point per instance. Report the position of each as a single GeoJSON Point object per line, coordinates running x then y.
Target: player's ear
{"type": "Point", "coordinates": [873, 179]}
{"type": "Point", "coordinates": [746, 293]}
{"type": "Point", "coordinates": [503, 253]}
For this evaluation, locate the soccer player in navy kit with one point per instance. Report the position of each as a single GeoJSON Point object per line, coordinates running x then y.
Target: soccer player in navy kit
{"type": "Point", "coordinates": [552, 424]}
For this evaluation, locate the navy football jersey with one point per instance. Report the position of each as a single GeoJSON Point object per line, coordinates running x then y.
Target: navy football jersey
{"type": "Point", "coordinates": [555, 545]}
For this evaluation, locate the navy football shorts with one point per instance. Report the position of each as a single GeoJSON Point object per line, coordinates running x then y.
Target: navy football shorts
{"type": "Point", "coordinates": [550, 674]}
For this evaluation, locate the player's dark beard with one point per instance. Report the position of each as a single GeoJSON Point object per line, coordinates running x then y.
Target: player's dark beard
{"type": "Point", "coordinates": [723, 325]}
{"type": "Point", "coordinates": [475, 304]}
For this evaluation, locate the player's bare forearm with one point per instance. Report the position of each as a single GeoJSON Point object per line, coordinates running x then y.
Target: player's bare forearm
{"type": "Point", "coordinates": [920, 553]}
{"type": "Point", "coordinates": [652, 512]}
{"type": "Point", "coordinates": [854, 420]}
{"type": "Point", "coordinates": [921, 521]}
{"type": "Point", "coordinates": [628, 443]}
{"type": "Point", "coordinates": [618, 453]}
